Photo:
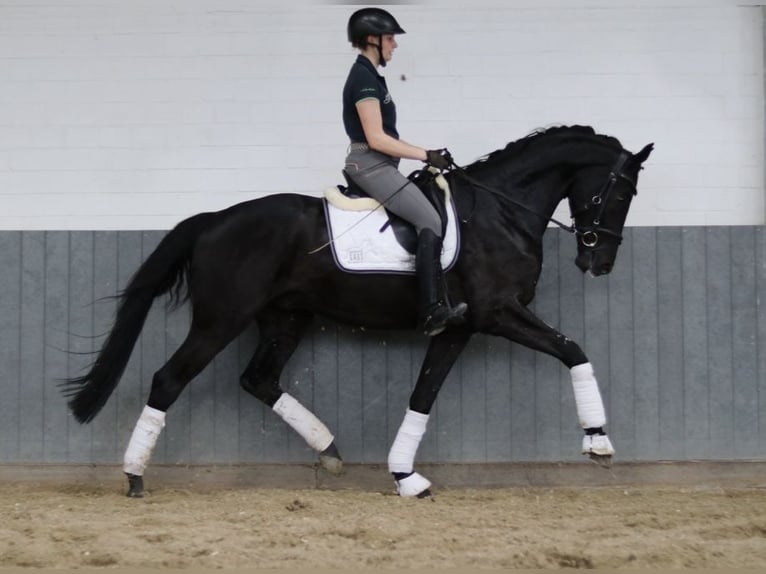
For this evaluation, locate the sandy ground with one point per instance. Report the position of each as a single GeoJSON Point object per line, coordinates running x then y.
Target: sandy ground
{"type": "Point", "coordinates": [604, 527]}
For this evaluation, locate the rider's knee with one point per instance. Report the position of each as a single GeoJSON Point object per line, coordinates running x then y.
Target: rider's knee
{"type": "Point", "coordinates": [433, 224]}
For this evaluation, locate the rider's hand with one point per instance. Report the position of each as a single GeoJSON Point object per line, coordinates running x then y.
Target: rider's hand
{"type": "Point", "coordinates": [441, 159]}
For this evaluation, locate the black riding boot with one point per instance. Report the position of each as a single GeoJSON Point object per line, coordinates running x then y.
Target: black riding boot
{"type": "Point", "coordinates": [435, 310]}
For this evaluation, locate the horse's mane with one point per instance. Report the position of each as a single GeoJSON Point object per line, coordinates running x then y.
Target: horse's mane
{"type": "Point", "coordinates": [517, 147]}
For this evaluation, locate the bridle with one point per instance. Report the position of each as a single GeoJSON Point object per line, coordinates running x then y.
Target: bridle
{"type": "Point", "coordinates": [588, 234]}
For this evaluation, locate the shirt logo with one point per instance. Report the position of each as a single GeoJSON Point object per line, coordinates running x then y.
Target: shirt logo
{"type": "Point", "coordinates": [387, 99]}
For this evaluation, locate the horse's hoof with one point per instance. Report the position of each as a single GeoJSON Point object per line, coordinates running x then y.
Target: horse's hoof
{"type": "Point", "coordinates": [603, 460]}
{"type": "Point", "coordinates": [135, 486]}
{"type": "Point", "coordinates": [331, 464]}
{"type": "Point", "coordinates": [330, 460]}
{"type": "Point", "coordinates": [412, 485]}
{"type": "Point", "coordinates": [597, 444]}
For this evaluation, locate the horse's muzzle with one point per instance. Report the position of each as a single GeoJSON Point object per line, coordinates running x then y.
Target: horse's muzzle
{"type": "Point", "coordinates": [592, 262]}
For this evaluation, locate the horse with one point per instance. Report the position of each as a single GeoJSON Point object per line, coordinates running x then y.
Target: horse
{"type": "Point", "coordinates": [259, 262]}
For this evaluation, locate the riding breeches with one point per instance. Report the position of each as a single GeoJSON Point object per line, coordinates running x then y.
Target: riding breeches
{"type": "Point", "coordinates": [379, 176]}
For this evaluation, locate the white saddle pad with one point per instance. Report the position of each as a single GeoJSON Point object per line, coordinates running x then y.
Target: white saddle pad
{"type": "Point", "coordinates": [359, 246]}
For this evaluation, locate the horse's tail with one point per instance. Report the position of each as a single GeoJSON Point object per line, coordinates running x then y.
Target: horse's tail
{"type": "Point", "coordinates": [163, 271]}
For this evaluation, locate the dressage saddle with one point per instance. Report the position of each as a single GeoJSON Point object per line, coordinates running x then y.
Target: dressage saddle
{"type": "Point", "coordinates": [404, 231]}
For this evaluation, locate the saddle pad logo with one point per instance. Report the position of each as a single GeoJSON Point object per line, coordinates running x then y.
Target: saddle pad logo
{"type": "Point", "coordinates": [359, 246]}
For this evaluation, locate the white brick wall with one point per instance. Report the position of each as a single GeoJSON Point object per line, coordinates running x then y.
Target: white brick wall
{"type": "Point", "coordinates": [133, 115]}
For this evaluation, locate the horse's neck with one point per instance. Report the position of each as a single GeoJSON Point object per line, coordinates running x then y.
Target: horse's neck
{"type": "Point", "coordinates": [533, 194]}
{"type": "Point", "coordinates": [543, 183]}
{"type": "Point", "coordinates": [536, 180]}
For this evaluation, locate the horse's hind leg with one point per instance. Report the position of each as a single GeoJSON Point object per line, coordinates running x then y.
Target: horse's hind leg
{"type": "Point", "coordinates": [197, 350]}
{"type": "Point", "coordinates": [443, 351]}
{"type": "Point", "coordinates": [279, 332]}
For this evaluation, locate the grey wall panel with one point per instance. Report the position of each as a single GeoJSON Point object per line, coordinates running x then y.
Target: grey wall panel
{"type": "Point", "coordinates": [719, 339]}
{"type": "Point", "coordinates": [33, 379]}
{"type": "Point", "coordinates": [105, 439]}
{"type": "Point", "coordinates": [645, 347]}
{"type": "Point", "coordinates": [622, 400]}
{"type": "Point", "coordinates": [374, 394]}
{"type": "Point", "coordinates": [523, 408]}
{"type": "Point", "coordinates": [760, 345]}
{"type": "Point", "coordinates": [497, 417]}
{"type": "Point", "coordinates": [55, 358]}
{"type": "Point", "coordinates": [744, 342]}
{"type": "Point", "coordinates": [350, 397]}
{"type": "Point", "coordinates": [676, 334]}
{"type": "Point", "coordinates": [670, 356]}
{"type": "Point", "coordinates": [696, 384]}
{"type": "Point", "coordinates": [10, 344]}
{"type": "Point", "coordinates": [80, 329]}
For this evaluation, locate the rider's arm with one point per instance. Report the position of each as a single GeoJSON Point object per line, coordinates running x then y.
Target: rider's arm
{"type": "Point", "coordinates": [377, 139]}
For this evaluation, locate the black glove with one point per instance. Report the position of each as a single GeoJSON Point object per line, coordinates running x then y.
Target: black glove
{"type": "Point", "coordinates": [441, 159]}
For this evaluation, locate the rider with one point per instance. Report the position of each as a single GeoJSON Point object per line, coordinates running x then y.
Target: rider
{"type": "Point", "coordinates": [369, 117]}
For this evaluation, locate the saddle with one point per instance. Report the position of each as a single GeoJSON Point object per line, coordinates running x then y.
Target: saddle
{"type": "Point", "coordinates": [403, 230]}
{"type": "Point", "coordinates": [367, 239]}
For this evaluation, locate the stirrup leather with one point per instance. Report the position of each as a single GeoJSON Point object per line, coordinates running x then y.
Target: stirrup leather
{"type": "Point", "coordinates": [439, 316]}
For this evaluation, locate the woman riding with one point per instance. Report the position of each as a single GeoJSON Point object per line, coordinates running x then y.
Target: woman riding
{"type": "Point", "coordinates": [372, 163]}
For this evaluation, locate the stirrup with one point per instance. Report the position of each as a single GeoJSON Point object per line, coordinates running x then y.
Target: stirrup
{"type": "Point", "coordinates": [439, 316]}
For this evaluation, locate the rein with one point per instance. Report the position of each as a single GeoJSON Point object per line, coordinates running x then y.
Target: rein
{"type": "Point", "coordinates": [588, 234]}
{"type": "Point", "coordinates": [501, 195]}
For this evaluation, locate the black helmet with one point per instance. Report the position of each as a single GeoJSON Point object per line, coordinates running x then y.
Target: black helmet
{"type": "Point", "coordinates": [371, 22]}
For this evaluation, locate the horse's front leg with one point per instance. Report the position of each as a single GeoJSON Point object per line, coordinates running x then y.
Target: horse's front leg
{"type": "Point", "coordinates": [280, 332]}
{"type": "Point", "coordinates": [443, 351]}
{"type": "Point", "coordinates": [520, 325]}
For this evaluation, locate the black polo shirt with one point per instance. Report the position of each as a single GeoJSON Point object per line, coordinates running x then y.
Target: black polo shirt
{"type": "Point", "coordinates": [364, 82]}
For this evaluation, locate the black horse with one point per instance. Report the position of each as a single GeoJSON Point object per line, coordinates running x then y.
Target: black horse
{"type": "Point", "coordinates": [257, 261]}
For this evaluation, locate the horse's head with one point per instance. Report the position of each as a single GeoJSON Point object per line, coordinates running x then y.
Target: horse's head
{"type": "Point", "coordinates": [599, 201]}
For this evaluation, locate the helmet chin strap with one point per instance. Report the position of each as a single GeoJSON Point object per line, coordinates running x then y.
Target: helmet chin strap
{"type": "Point", "coordinates": [382, 60]}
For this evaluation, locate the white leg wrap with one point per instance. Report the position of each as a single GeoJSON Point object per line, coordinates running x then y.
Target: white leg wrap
{"type": "Point", "coordinates": [590, 407]}
{"type": "Point", "coordinates": [401, 457]}
{"type": "Point", "coordinates": [142, 442]}
{"type": "Point", "coordinates": [304, 422]}
{"type": "Point", "coordinates": [412, 485]}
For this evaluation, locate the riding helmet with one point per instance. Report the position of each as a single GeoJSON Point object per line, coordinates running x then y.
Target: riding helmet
{"type": "Point", "coordinates": [371, 22]}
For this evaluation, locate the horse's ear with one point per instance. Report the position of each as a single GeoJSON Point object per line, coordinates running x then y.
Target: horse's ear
{"type": "Point", "coordinates": [641, 156]}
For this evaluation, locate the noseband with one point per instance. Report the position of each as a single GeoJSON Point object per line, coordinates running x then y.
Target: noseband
{"type": "Point", "coordinates": [589, 234]}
